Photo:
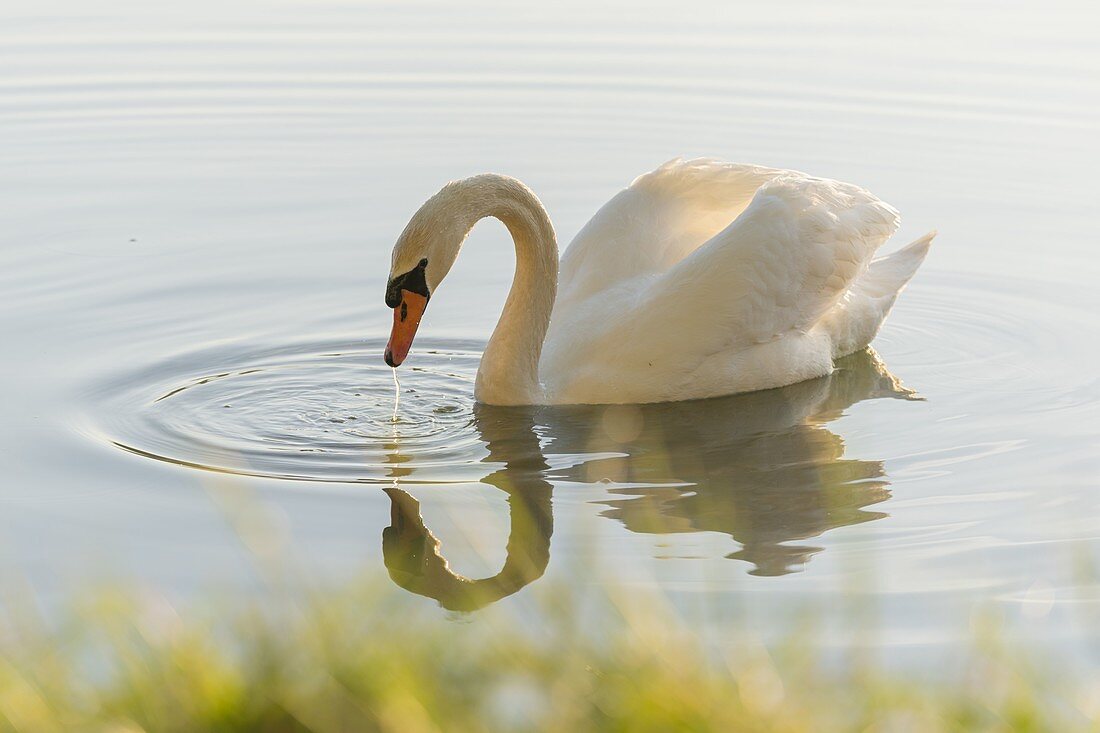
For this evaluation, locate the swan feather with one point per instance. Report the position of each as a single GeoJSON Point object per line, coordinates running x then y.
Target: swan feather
{"type": "Point", "coordinates": [729, 278]}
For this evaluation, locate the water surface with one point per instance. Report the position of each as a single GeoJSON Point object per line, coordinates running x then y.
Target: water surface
{"type": "Point", "coordinates": [198, 205]}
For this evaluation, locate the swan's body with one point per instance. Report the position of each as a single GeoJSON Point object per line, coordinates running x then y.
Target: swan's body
{"type": "Point", "coordinates": [700, 279]}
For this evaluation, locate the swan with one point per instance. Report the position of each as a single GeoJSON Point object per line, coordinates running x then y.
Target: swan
{"type": "Point", "coordinates": [702, 278]}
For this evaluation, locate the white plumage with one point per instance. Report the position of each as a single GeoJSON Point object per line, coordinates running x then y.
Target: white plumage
{"type": "Point", "coordinates": [702, 278]}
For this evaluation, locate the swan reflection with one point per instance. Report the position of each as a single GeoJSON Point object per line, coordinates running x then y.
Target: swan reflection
{"type": "Point", "coordinates": [412, 553]}
{"type": "Point", "coordinates": [760, 467]}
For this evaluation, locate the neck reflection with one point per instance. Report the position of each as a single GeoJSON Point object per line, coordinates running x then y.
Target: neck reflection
{"type": "Point", "coordinates": [761, 467]}
{"type": "Point", "coordinates": [412, 554]}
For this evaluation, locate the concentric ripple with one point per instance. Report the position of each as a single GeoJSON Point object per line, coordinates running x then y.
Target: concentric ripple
{"type": "Point", "coordinates": [977, 338]}
{"type": "Point", "coordinates": [315, 411]}
{"type": "Point", "coordinates": [324, 411]}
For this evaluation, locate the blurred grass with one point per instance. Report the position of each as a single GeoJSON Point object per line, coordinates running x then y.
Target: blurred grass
{"type": "Point", "coordinates": [362, 659]}
{"type": "Point", "coordinates": [347, 661]}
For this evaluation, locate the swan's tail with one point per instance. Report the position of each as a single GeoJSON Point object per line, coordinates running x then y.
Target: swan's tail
{"type": "Point", "coordinates": [854, 321]}
{"type": "Point", "coordinates": [888, 275]}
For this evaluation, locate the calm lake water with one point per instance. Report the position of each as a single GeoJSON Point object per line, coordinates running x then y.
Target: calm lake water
{"type": "Point", "coordinates": [197, 205]}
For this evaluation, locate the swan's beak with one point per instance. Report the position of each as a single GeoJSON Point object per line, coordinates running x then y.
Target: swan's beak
{"type": "Point", "coordinates": [406, 319]}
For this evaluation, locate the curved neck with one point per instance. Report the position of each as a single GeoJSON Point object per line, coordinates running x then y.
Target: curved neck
{"type": "Point", "coordinates": [508, 374]}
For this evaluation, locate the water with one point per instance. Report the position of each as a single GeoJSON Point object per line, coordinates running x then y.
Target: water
{"type": "Point", "coordinates": [198, 205]}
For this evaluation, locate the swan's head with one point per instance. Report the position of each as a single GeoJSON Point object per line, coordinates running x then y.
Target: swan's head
{"type": "Point", "coordinates": [422, 257]}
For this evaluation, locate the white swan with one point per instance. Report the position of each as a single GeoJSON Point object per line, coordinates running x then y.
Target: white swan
{"type": "Point", "coordinates": [702, 278]}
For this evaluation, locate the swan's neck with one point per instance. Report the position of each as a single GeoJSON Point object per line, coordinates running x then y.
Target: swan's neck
{"type": "Point", "coordinates": [509, 371]}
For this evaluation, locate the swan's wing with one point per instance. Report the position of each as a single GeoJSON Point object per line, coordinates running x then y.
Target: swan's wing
{"type": "Point", "coordinates": [662, 217]}
{"type": "Point", "coordinates": [777, 269]}
{"type": "Point", "coordinates": [740, 310]}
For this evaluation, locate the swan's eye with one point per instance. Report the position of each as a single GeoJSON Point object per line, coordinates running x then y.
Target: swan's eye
{"type": "Point", "coordinates": [413, 281]}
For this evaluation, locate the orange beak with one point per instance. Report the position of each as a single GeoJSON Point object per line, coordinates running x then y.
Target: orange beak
{"type": "Point", "coordinates": [406, 319]}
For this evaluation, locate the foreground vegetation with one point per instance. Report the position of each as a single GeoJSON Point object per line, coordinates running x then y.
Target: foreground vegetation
{"type": "Point", "coordinates": [349, 662]}
{"type": "Point", "coordinates": [368, 658]}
